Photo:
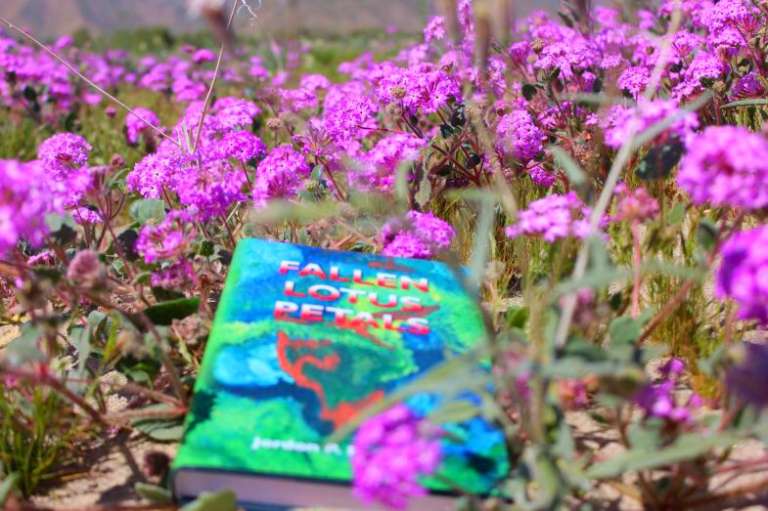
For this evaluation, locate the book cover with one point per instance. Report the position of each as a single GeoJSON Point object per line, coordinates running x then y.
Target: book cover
{"type": "Point", "coordinates": [305, 338]}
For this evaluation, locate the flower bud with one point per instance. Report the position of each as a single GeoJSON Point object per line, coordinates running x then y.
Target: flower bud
{"type": "Point", "coordinates": [86, 270]}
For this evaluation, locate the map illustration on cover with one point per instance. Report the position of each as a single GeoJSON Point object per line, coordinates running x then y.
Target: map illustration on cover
{"type": "Point", "coordinates": [304, 339]}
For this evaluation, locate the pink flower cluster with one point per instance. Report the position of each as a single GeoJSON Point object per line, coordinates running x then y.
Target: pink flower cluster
{"type": "Point", "coordinates": [140, 122]}
{"type": "Point", "coordinates": [419, 235]}
{"type": "Point", "coordinates": [658, 400]}
{"type": "Point", "coordinates": [552, 218]}
{"type": "Point", "coordinates": [726, 166]}
{"type": "Point", "coordinates": [743, 273]}
{"type": "Point", "coordinates": [205, 166]}
{"type": "Point", "coordinates": [392, 451]}
{"type": "Point", "coordinates": [24, 202]}
{"type": "Point", "coordinates": [167, 240]}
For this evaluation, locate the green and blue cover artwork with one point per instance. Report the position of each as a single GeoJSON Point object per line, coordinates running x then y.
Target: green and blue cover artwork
{"type": "Point", "coordinates": [304, 339]}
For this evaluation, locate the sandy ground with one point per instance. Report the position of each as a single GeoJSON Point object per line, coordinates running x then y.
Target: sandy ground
{"type": "Point", "coordinates": [108, 476]}
{"type": "Point", "coordinates": [109, 473]}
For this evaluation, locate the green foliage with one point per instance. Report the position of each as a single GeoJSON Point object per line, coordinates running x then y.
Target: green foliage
{"type": "Point", "coordinates": [165, 312]}
{"type": "Point", "coordinates": [219, 501]}
{"type": "Point", "coordinates": [33, 433]}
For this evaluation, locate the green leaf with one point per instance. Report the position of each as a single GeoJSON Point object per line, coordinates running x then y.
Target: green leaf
{"type": "Point", "coordinates": [317, 173]}
{"type": "Point", "coordinates": [161, 430]}
{"type": "Point", "coordinates": [676, 214]}
{"type": "Point", "coordinates": [7, 486]}
{"type": "Point", "coordinates": [686, 447]}
{"type": "Point", "coordinates": [278, 211]}
{"type": "Point", "coordinates": [746, 102]}
{"type": "Point", "coordinates": [564, 446]}
{"type": "Point", "coordinates": [225, 500]}
{"type": "Point", "coordinates": [62, 227]}
{"type": "Point", "coordinates": [401, 181]}
{"type": "Point", "coordinates": [645, 436]}
{"type": "Point", "coordinates": [517, 317]}
{"type": "Point", "coordinates": [425, 191]}
{"type": "Point", "coordinates": [572, 169]}
{"type": "Point", "coordinates": [24, 348]}
{"type": "Point", "coordinates": [153, 493]}
{"type": "Point", "coordinates": [625, 330]}
{"type": "Point", "coordinates": [707, 234]}
{"type": "Point", "coordinates": [481, 245]}
{"type": "Point", "coordinates": [454, 412]}
{"type": "Point", "coordinates": [146, 210]}
{"type": "Point", "coordinates": [165, 312]}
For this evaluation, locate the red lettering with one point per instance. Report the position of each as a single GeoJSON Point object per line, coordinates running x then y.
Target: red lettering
{"type": "Point", "coordinates": [421, 284]}
{"type": "Point", "coordinates": [324, 293]}
{"type": "Point", "coordinates": [374, 299]}
{"type": "Point", "coordinates": [311, 312]}
{"type": "Point", "coordinates": [312, 269]}
{"type": "Point", "coordinates": [335, 275]}
{"type": "Point", "coordinates": [386, 280]}
{"type": "Point", "coordinates": [290, 290]}
{"type": "Point", "coordinates": [284, 309]}
{"type": "Point", "coordinates": [357, 278]}
{"type": "Point", "coordinates": [286, 266]}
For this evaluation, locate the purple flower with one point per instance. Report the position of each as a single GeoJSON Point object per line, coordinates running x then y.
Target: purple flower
{"type": "Point", "coordinates": [380, 165]}
{"type": "Point", "coordinates": [419, 235]}
{"type": "Point", "coordinates": [210, 189]}
{"type": "Point", "coordinates": [203, 55]}
{"type": "Point", "coordinates": [542, 177]}
{"type": "Point", "coordinates": [737, 16]}
{"type": "Point", "coordinates": [63, 153]}
{"type": "Point", "coordinates": [635, 205]}
{"type": "Point", "coordinates": [726, 166]}
{"type": "Point", "coordinates": [435, 29]}
{"type": "Point", "coordinates": [86, 270]}
{"type": "Point", "coordinates": [280, 175]}
{"type": "Point", "coordinates": [748, 86]}
{"type": "Point", "coordinates": [26, 199]}
{"type": "Point", "coordinates": [672, 368]}
{"type": "Point", "coordinates": [570, 56]}
{"type": "Point", "coordinates": [519, 136]}
{"type": "Point", "coordinates": [658, 400]}
{"type": "Point", "coordinates": [347, 111]}
{"type": "Point", "coordinates": [83, 215]}
{"type": "Point", "coordinates": [422, 87]}
{"type": "Point", "coordinates": [242, 146]}
{"type": "Point", "coordinates": [257, 69]}
{"type": "Point", "coordinates": [235, 113]}
{"type": "Point", "coordinates": [633, 80]}
{"type": "Point", "coordinates": [553, 217]}
{"type": "Point", "coordinates": [704, 67]}
{"type": "Point", "coordinates": [178, 275]}
{"type": "Point", "coordinates": [187, 89]}
{"type": "Point", "coordinates": [168, 240]}
{"type": "Point", "coordinates": [622, 122]}
{"type": "Point", "coordinates": [155, 171]}
{"type": "Point", "coordinates": [743, 273]}
{"type": "Point", "coordinates": [391, 452]}
{"type": "Point", "coordinates": [139, 122]}
{"type": "Point", "coordinates": [519, 52]}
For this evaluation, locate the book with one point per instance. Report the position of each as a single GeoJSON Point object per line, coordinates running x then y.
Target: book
{"type": "Point", "coordinates": [303, 340]}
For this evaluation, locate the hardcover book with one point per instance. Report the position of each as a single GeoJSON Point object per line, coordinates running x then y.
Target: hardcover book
{"type": "Point", "coordinates": [303, 340]}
